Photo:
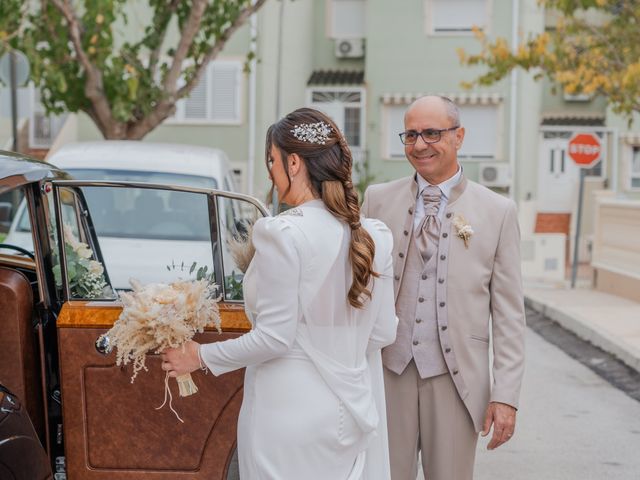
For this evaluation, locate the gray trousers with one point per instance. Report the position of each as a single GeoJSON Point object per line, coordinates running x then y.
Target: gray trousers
{"type": "Point", "coordinates": [427, 415]}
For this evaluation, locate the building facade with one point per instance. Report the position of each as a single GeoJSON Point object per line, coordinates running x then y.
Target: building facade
{"type": "Point", "coordinates": [364, 61]}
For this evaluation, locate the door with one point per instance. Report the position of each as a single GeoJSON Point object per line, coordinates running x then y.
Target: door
{"type": "Point", "coordinates": [557, 175]}
{"type": "Point", "coordinates": [112, 233]}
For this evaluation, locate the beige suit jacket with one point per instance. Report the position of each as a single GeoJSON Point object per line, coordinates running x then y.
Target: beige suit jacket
{"type": "Point", "coordinates": [479, 290]}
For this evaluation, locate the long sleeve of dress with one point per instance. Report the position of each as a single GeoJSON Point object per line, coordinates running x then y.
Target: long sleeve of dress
{"type": "Point", "coordinates": [276, 265]}
{"type": "Point", "coordinates": [386, 324]}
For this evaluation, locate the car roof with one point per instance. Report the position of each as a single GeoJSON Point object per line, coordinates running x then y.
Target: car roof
{"type": "Point", "coordinates": [17, 170]}
{"type": "Point", "coordinates": [142, 156]}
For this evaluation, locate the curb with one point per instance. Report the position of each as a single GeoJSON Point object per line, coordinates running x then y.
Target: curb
{"type": "Point", "coordinates": [597, 337]}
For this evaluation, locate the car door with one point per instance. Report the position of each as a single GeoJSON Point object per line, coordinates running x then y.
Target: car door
{"type": "Point", "coordinates": [111, 233]}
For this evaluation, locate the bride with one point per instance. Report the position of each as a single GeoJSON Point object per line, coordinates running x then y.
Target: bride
{"type": "Point", "coordinates": [319, 294]}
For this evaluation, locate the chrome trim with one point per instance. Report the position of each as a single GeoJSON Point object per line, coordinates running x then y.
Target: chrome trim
{"type": "Point", "coordinates": [159, 186]}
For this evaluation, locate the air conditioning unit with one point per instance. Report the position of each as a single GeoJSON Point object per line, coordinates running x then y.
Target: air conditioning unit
{"type": "Point", "coordinates": [349, 47]}
{"type": "Point", "coordinates": [495, 175]}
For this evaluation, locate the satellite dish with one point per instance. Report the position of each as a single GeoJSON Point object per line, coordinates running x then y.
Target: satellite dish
{"type": "Point", "coordinates": [22, 68]}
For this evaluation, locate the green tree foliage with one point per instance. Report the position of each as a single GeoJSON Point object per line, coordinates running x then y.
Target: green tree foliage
{"type": "Point", "coordinates": [12, 13]}
{"type": "Point", "coordinates": [80, 62]}
{"type": "Point", "coordinates": [593, 49]}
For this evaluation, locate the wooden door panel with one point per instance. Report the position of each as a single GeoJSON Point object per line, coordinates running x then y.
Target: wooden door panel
{"type": "Point", "coordinates": [112, 429]}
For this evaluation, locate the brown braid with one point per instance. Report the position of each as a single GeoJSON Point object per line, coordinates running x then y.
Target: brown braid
{"type": "Point", "coordinates": [329, 167]}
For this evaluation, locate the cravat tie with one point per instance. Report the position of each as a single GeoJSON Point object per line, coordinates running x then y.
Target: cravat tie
{"type": "Point", "coordinates": [428, 231]}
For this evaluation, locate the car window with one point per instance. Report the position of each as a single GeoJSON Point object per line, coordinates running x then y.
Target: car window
{"type": "Point", "coordinates": [236, 221]}
{"type": "Point", "coordinates": [151, 235]}
{"type": "Point", "coordinates": [85, 271]}
{"type": "Point", "coordinates": [12, 204]}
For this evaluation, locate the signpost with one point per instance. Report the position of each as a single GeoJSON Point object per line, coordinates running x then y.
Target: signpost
{"type": "Point", "coordinates": [14, 70]}
{"type": "Point", "coordinates": [585, 151]}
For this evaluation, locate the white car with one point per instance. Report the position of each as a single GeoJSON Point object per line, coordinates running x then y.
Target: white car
{"type": "Point", "coordinates": [132, 230]}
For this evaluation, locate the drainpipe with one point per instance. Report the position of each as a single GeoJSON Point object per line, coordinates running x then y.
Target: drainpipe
{"type": "Point", "coordinates": [515, 14]}
{"type": "Point", "coordinates": [251, 158]}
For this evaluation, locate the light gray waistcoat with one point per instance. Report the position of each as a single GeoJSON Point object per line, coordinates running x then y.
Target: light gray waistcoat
{"type": "Point", "coordinates": [417, 335]}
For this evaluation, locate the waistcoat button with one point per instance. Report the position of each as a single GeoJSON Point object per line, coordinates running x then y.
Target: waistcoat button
{"type": "Point", "coordinates": [448, 215]}
{"type": "Point", "coordinates": [447, 350]}
{"type": "Point", "coordinates": [443, 257]}
{"type": "Point", "coordinates": [421, 299]}
{"type": "Point", "coordinates": [455, 372]}
{"type": "Point", "coordinates": [401, 255]}
{"type": "Point", "coordinates": [443, 328]}
{"type": "Point", "coordinates": [442, 304]}
{"type": "Point", "coordinates": [418, 320]}
{"type": "Point", "coordinates": [415, 342]}
{"type": "Point", "coordinates": [424, 276]}
{"type": "Point", "coordinates": [445, 235]}
{"type": "Point", "coordinates": [406, 232]}
{"type": "Point", "coordinates": [441, 280]}
{"type": "Point", "coordinates": [397, 277]}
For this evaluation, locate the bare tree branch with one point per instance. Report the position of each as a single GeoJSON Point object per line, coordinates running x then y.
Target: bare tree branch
{"type": "Point", "coordinates": [218, 46]}
{"type": "Point", "coordinates": [94, 89]}
{"type": "Point", "coordinates": [155, 54]}
{"type": "Point", "coordinates": [188, 34]}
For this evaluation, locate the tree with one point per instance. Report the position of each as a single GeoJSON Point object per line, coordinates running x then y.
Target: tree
{"type": "Point", "coordinates": [127, 87]}
{"type": "Point", "coordinates": [11, 16]}
{"type": "Point", "coordinates": [594, 49]}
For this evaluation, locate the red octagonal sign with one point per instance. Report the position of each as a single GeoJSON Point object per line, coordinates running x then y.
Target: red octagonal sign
{"type": "Point", "coordinates": [584, 149]}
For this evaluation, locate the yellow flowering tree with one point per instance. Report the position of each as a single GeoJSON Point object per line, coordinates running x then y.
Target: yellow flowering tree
{"type": "Point", "coordinates": [82, 61]}
{"type": "Point", "coordinates": [593, 49]}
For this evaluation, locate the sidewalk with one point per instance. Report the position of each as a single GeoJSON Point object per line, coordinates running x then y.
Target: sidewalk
{"type": "Point", "coordinates": [609, 322]}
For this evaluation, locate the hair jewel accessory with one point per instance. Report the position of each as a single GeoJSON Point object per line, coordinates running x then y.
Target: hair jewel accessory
{"type": "Point", "coordinates": [312, 132]}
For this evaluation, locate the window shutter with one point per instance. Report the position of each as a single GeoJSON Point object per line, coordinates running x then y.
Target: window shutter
{"type": "Point", "coordinates": [348, 18]}
{"type": "Point", "coordinates": [395, 125]}
{"type": "Point", "coordinates": [481, 130]}
{"type": "Point", "coordinates": [458, 15]}
{"type": "Point", "coordinates": [196, 103]}
{"type": "Point", "coordinates": [225, 91]}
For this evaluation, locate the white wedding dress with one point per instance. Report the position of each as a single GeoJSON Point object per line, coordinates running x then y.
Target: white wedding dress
{"type": "Point", "coordinates": [313, 404]}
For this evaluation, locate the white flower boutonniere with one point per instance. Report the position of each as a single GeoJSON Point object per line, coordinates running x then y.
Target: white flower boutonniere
{"type": "Point", "coordinates": [463, 229]}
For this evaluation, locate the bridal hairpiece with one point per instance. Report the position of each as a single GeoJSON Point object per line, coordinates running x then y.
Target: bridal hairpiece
{"type": "Point", "coordinates": [312, 132]}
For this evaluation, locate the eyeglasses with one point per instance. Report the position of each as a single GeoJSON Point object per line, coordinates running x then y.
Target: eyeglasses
{"type": "Point", "coordinates": [430, 135]}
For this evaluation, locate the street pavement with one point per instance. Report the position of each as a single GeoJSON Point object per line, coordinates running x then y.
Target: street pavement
{"type": "Point", "coordinates": [572, 425]}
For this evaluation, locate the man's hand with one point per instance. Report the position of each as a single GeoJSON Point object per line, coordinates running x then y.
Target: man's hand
{"type": "Point", "coordinates": [503, 418]}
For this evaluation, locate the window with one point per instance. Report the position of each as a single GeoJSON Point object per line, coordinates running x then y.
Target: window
{"type": "Point", "coordinates": [456, 16]}
{"type": "Point", "coordinates": [346, 109]}
{"type": "Point", "coordinates": [481, 125]}
{"type": "Point", "coordinates": [347, 18]}
{"type": "Point", "coordinates": [394, 123]}
{"type": "Point", "coordinates": [635, 167]}
{"type": "Point", "coordinates": [216, 98]}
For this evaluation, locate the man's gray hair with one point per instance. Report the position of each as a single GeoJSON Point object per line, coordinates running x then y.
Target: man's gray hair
{"type": "Point", "coordinates": [453, 112]}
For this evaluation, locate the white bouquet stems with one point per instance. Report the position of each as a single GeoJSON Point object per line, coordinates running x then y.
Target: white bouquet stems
{"type": "Point", "coordinates": [186, 385]}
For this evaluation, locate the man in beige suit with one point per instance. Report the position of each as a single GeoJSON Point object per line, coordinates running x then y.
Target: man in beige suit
{"type": "Point", "coordinates": [458, 291]}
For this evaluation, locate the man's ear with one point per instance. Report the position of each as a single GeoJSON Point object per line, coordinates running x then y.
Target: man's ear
{"type": "Point", "coordinates": [459, 137]}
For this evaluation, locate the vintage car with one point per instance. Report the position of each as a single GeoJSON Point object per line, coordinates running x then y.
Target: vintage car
{"type": "Point", "coordinates": [56, 301]}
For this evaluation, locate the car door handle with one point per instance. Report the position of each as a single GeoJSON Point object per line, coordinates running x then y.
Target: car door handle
{"type": "Point", "coordinates": [103, 345]}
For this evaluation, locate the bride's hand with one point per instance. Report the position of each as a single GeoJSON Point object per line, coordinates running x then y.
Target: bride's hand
{"type": "Point", "coordinates": [181, 360]}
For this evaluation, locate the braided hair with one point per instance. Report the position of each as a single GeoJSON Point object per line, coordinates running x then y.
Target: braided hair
{"type": "Point", "coordinates": [329, 165]}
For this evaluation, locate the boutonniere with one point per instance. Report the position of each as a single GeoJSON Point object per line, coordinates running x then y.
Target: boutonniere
{"type": "Point", "coordinates": [463, 229]}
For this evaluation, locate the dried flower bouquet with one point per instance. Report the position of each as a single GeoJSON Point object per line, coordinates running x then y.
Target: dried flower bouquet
{"type": "Point", "coordinates": [157, 316]}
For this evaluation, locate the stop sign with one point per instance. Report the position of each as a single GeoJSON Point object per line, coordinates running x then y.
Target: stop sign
{"type": "Point", "coordinates": [584, 149]}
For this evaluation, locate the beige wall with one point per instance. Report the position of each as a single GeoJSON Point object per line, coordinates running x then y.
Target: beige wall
{"type": "Point", "coordinates": [616, 254]}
